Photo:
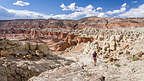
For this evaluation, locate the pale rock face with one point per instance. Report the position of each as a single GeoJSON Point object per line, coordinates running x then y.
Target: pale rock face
{"type": "Point", "coordinates": [100, 37]}
{"type": "Point", "coordinates": [90, 48]}
{"type": "Point", "coordinates": [106, 46]}
{"type": "Point", "coordinates": [127, 52]}
{"type": "Point", "coordinates": [96, 37]}
{"type": "Point", "coordinates": [125, 38]}
{"type": "Point", "coordinates": [85, 60]}
{"type": "Point", "coordinates": [119, 37]}
{"type": "Point", "coordinates": [95, 42]}
{"type": "Point", "coordinates": [112, 42]}
{"type": "Point", "coordinates": [113, 38]}
{"type": "Point", "coordinates": [33, 46]}
{"type": "Point", "coordinates": [113, 45]}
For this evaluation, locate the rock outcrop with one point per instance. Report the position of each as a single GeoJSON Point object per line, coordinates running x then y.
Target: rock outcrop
{"type": "Point", "coordinates": [22, 49]}
{"type": "Point", "coordinates": [20, 60]}
{"type": "Point", "coordinates": [71, 40]}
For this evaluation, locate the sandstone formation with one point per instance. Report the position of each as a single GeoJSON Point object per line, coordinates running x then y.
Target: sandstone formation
{"type": "Point", "coordinates": [61, 50]}
{"type": "Point", "coordinates": [22, 49]}
{"type": "Point", "coordinates": [114, 63]}
{"type": "Point", "coordinates": [71, 40]}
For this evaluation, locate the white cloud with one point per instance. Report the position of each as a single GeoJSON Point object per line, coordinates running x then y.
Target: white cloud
{"type": "Point", "coordinates": [63, 7]}
{"type": "Point", "coordinates": [102, 15]}
{"type": "Point", "coordinates": [80, 11]}
{"type": "Point", "coordinates": [69, 7]}
{"type": "Point", "coordinates": [135, 1]}
{"type": "Point", "coordinates": [20, 14]}
{"type": "Point", "coordinates": [99, 8]}
{"type": "Point", "coordinates": [88, 11]}
{"type": "Point", "coordinates": [134, 12]}
{"type": "Point", "coordinates": [122, 9]}
{"type": "Point", "coordinates": [76, 12]}
{"type": "Point", "coordinates": [124, 5]}
{"type": "Point", "coordinates": [4, 14]}
{"type": "Point", "coordinates": [72, 6]}
{"type": "Point", "coordinates": [68, 16]}
{"type": "Point", "coordinates": [21, 3]}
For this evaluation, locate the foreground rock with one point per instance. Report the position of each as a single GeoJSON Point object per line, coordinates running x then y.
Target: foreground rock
{"type": "Point", "coordinates": [22, 70]}
{"type": "Point", "coordinates": [19, 61]}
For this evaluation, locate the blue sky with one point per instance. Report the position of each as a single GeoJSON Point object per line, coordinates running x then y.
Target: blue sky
{"type": "Point", "coordinates": [69, 9]}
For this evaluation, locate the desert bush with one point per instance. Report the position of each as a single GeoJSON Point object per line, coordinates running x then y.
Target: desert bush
{"type": "Point", "coordinates": [135, 58]}
{"type": "Point", "coordinates": [117, 65]}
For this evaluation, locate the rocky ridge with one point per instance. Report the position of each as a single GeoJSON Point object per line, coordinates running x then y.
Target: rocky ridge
{"type": "Point", "coordinates": [73, 24]}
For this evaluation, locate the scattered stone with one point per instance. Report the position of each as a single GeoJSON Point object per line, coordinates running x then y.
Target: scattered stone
{"type": "Point", "coordinates": [139, 54]}
{"type": "Point", "coordinates": [112, 60]}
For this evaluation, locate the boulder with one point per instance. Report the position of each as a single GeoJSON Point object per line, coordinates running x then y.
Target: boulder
{"type": "Point", "coordinates": [113, 45]}
{"type": "Point", "coordinates": [118, 38]}
{"type": "Point", "coordinates": [5, 53]}
{"type": "Point", "coordinates": [106, 46]}
{"type": "Point", "coordinates": [112, 59]}
{"type": "Point", "coordinates": [100, 37]}
{"type": "Point", "coordinates": [139, 54]}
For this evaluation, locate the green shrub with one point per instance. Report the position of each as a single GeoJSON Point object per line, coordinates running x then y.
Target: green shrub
{"type": "Point", "coordinates": [88, 75]}
{"type": "Point", "coordinates": [135, 58]}
{"type": "Point", "coordinates": [117, 65]}
{"type": "Point", "coordinates": [105, 62]}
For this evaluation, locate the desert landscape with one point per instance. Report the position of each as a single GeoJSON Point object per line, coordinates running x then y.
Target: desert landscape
{"type": "Point", "coordinates": [61, 50]}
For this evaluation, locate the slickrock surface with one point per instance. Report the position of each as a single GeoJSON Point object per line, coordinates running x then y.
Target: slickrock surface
{"type": "Point", "coordinates": [101, 72]}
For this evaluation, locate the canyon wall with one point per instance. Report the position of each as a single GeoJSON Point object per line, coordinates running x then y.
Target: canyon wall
{"type": "Point", "coordinates": [62, 34]}
{"type": "Point", "coordinates": [73, 24]}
